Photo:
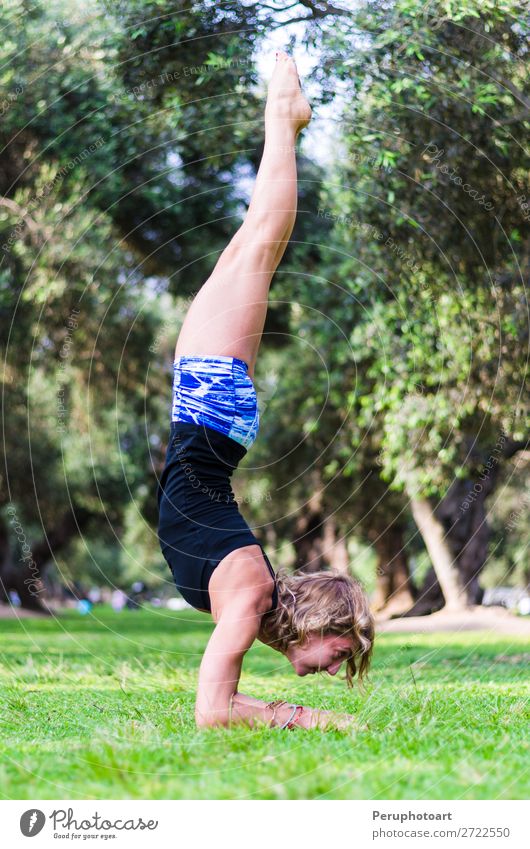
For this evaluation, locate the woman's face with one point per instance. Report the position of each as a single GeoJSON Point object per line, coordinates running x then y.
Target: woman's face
{"type": "Point", "coordinates": [320, 653]}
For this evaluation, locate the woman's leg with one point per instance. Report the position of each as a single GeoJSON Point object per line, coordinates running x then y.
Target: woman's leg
{"type": "Point", "coordinates": [227, 315]}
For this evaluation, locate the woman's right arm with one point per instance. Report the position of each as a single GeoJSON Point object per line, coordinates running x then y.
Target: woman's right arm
{"type": "Point", "coordinates": [245, 708]}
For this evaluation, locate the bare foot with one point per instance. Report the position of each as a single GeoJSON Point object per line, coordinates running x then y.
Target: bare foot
{"type": "Point", "coordinates": [285, 101]}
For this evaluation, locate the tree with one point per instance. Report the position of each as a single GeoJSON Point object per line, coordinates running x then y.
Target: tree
{"type": "Point", "coordinates": [419, 319]}
{"type": "Point", "coordinates": [446, 393]}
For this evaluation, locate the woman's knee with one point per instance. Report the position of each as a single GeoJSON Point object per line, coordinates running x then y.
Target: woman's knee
{"type": "Point", "coordinates": [261, 232]}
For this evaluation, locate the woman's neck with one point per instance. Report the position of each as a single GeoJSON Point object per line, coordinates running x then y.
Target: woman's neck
{"type": "Point", "coordinates": [269, 639]}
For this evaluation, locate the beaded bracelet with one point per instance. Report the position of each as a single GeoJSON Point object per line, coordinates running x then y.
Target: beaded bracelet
{"type": "Point", "coordinates": [291, 721]}
{"type": "Point", "coordinates": [274, 707]}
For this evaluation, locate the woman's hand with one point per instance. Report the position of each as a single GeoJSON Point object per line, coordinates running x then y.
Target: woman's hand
{"type": "Point", "coordinates": [329, 720]}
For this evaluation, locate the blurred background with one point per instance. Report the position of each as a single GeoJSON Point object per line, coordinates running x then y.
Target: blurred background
{"type": "Point", "coordinates": [393, 379]}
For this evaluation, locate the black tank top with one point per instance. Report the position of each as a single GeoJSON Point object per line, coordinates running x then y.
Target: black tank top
{"type": "Point", "coordinates": [199, 518]}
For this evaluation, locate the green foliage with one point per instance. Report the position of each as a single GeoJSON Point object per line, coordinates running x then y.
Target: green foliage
{"type": "Point", "coordinates": [410, 326]}
{"type": "Point", "coordinates": [397, 336]}
{"type": "Point", "coordinates": [435, 300]}
{"type": "Point", "coordinates": [91, 206]}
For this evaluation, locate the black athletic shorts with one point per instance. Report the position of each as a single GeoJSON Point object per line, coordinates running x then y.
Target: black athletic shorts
{"type": "Point", "coordinates": [199, 518]}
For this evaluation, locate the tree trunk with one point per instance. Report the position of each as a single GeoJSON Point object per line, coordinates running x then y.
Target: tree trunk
{"type": "Point", "coordinates": [462, 513]}
{"type": "Point", "coordinates": [393, 583]}
{"type": "Point", "coordinates": [19, 573]}
{"type": "Point", "coordinates": [4, 559]}
{"type": "Point", "coordinates": [429, 597]}
{"type": "Point", "coordinates": [462, 537]}
{"type": "Point", "coordinates": [24, 575]}
{"type": "Point", "coordinates": [335, 547]}
{"type": "Point", "coordinates": [464, 516]}
{"type": "Point", "coordinates": [433, 533]}
{"type": "Point", "coordinates": [308, 540]}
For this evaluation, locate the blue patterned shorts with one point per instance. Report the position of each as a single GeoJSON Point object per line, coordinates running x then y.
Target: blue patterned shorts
{"type": "Point", "coordinates": [218, 393]}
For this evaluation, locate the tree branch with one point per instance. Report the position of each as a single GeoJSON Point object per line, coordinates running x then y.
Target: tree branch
{"type": "Point", "coordinates": [33, 226]}
{"type": "Point", "coordinates": [316, 13]}
{"type": "Point", "coordinates": [329, 9]}
{"type": "Point", "coordinates": [278, 8]}
{"type": "Point", "coordinates": [521, 116]}
{"type": "Point", "coordinates": [517, 93]}
{"type": "Point", "coordinates": [514, 446]}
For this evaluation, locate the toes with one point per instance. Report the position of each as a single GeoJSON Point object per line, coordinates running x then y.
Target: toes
{"type": "Point", "coordinates": [288, 65]}
{"type": "Point", "coordinates": [282, 56]}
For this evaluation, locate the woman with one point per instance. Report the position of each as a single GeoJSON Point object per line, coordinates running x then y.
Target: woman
{"type": "Point", "coordinates": [317, 621]}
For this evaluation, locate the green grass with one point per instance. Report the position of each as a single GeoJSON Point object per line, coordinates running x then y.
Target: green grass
{"type": "Point", "coordinates": [101, 707]}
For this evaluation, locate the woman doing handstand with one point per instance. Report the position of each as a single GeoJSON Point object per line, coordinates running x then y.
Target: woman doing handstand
{"type": "Point", "coordinates": [317, 621]}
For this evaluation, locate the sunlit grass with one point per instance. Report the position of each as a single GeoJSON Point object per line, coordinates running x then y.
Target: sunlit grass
{"type": "Point", "coordinates": [101, 706]}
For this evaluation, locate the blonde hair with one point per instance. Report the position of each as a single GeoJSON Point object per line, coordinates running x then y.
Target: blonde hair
{"type": "Point", "coordinates": [326, 603]}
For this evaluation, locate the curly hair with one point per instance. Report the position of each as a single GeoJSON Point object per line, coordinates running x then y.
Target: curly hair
{"type": "Point", "coordinates": [325, 603]}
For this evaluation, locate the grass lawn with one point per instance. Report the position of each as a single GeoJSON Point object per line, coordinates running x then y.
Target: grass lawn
{"type": "Point", "coordinates": [101, 707]}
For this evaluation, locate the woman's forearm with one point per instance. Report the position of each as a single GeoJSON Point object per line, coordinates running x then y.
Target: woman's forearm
{"type": "Point", "coordinates": [250, 711]}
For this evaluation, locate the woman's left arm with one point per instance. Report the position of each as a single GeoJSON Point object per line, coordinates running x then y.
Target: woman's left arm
{"type": "Point", "coordinates": [220, 669]}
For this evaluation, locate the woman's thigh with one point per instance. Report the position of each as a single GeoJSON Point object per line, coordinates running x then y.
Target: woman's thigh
{"type": "Point", "coordinates": [227, 316]}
